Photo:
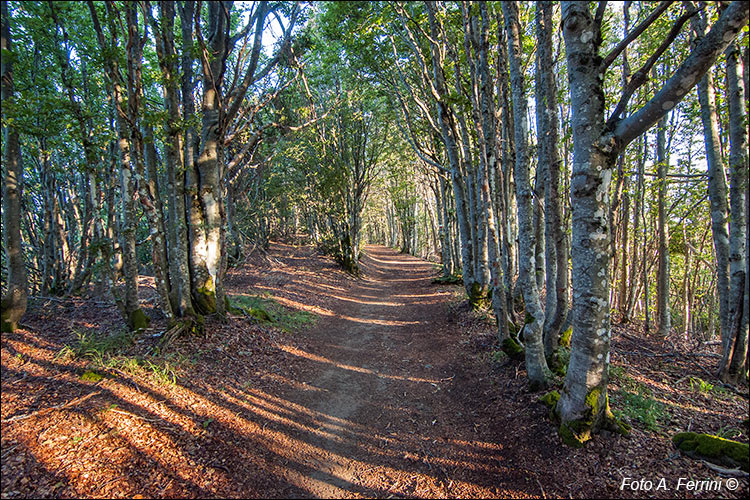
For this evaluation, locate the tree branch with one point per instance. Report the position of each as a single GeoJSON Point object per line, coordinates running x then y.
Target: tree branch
{"type": "Point", "coordinates": [610, 58]}
{"type": "Point", "coordinates": [703, 56]}
{"type": "Point", "coordinates": [641, 76]}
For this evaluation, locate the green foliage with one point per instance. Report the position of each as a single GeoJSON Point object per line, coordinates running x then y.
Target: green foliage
{"type": "Point", "coordinates": [93, 344]}
{"type": "Point", "coordinates": [641, 407]}
{"type": "Point", "coordinates": [498, 356]}
{"type": "Point", "coordinates": [106, 352]}
{"type": "Point", "coordinates": [268, 310]}
{"type": "Point", "coordinates": [729, 432]}
{"type": "Point", "coordinates": [700, 385]}
{"type": "Point", "coordinates": [91, 376]}
{"type": "Point", "coordinates": [453, 279]}
{"type": "Point", "coordinates": [620, 375]}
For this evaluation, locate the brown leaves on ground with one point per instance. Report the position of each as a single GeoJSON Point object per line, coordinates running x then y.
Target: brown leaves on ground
{"type": "Point", "coordinates": [394, 392]}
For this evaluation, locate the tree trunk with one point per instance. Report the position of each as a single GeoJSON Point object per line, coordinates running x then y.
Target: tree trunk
{"type": "Point", "coordinates": [488, 148]}
{"type": "Point", "coordinates": [14, 301]}
{"type": "Point", "coordinates": [146, 186]}
{"type": "Point", "coordinates": [583, 406]}
{"type": "Point", "coordinates": [128, 304]}
{"type": "Point", "coordinates": [738, 166]}
{"type": "Point", "coordinates": [536, 364]}
{"type": "Point", "coordinates": [447, 127]}
{"type": "Point", "coordinates": [556, 254]}
{"type": "Point", "coordinates": [717, 189]}
{"type": "Point", "coordinates": [177, 152]}
{"type": "Point", "coordinates": [662, 295]}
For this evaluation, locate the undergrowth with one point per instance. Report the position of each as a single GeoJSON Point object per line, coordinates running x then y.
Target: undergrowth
{"type": "Point", "coordinates": [639, 406]}
{"type": "Point", "coordinates": [267, 310]}
{"type": "Point", "coordinates": [107, 353]}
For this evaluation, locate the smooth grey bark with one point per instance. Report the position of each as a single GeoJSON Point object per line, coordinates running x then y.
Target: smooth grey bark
{"type": "Point", "coordinates": [583, 406]}
{"type": "Point", "coordinates": [488, 150]}
{"type": "Point", "coordinates": [536, 364]}
{"type": "Point", "coordinates": [13, 305]}
{"type": "Point", "coordinates": [584, 398]}
{"type": "Point", "coordinates": [176, 152]}
{"type": "Point", "coordinates": [146, 186]}
{"type": "Point", "coordinates": [447, 128]}
{"type": "Point", "coordinates": [717, 187]}
{"type": "Point", "coordinates": [738, 167]}
{"type": "Point", "coordinates": [505, 178]}
{"type": "Point", "coordinates": [556, 251]}
{"type": "Point", "coordinates": [664, 316]}
{"type": "Point", "coordinates": [476, 170]}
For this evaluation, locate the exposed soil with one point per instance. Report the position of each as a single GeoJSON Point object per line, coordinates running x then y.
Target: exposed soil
{"type": "Point", "coordinates": [394, 392]}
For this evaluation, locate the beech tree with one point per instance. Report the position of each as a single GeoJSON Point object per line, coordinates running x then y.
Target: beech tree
{"type": "Point", "coordinates": [583, 406]}
{"type": "Point", "coordinates": [155, 143]}
{"type": "Point", "coordinates": [14, 299]}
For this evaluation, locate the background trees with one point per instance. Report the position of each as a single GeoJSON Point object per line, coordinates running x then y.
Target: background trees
{"type": "Point", "coordinates": [167, 139]}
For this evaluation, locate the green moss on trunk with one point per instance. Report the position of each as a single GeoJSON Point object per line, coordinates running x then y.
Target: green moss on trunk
{"type": "Point", "coordinates": [8, 326]}
{"type": "Point", "coordinates": [565, 337]}
{"type": "Point", "coordinates": [598, 416]}
{"type": "Point", "coordinates": [513, 349]}
{"type": "Point", "coordinates": [557, 364]}
{"type": "Point", "coordinates": [137, 320]}
{"type": "Point", "coordinates": [713, 448]}
{"type": "Point", "coordinates": [570, 437]}
{"type": "Point", "coordinates": [550, 399]}
{"type": "Point", "coordinates": [204, 297]}
{"type": "Point", "coordinates": [10, 314]}
{"type": "Point", "coordinates": [478, 296]}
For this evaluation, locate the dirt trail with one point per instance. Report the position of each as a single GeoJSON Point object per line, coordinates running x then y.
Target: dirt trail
{"type": "Point", "coordinates": [376, 400]}
{"type": "Point", "coordinates": [393, 393]}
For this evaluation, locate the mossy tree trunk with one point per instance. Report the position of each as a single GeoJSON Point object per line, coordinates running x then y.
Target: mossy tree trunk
{"type": "Point", "coordinates": [583, 406]}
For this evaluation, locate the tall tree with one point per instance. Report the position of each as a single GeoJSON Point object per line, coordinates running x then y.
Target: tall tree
{"type": "Point", "coordinates": [717, 186]}
{"type": "Point", "coordinates": [736, 347]}
{"type": "Point", "coordinates": [662, 296]}
{"type": "Point", "coordinates": [14, 300]}
{"type": "Point", "coordinates": [556, 248]}
{"type": "Point", "coordinates": [536, 364]}
{"type": "Point", "coordinates": [583, 406]}
{"type": "Point", "coordinates": [128, 301]}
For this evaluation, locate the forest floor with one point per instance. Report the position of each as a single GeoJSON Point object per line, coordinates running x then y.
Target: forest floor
{"type": "Point", "coordinates": [382, 386]}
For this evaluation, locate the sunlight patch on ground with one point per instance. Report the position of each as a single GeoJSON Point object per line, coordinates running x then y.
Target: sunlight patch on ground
{"type": "Point", "coordinates": [320, 359]}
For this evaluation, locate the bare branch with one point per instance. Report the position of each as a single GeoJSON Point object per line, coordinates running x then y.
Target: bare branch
{"type": "Point", "coordinates": [641, 76]}
{"type": "Point", "coordinates": [703, 56]}
{"type": "Point", "coordinates": [610, 58]}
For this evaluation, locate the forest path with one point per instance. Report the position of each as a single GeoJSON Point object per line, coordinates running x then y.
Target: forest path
{"type": "Point", "coordinates": [382, 405]}
{"type": "Point", "coordinates": [393, 393]}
